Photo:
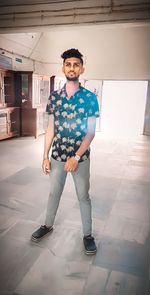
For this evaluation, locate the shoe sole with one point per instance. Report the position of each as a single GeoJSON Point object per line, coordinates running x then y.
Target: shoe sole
{"type": "Point", "coordinates": [39, 239]}
{"type": "Point", "coordinates": [90, 252]}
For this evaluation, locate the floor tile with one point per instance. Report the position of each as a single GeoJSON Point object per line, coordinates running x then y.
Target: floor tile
{"type": "Point", "coordinates": [126, 229]}
{"type": "Point", "coordinates": [54, 274]}
{"type": "Point", "coordinates": [123, 256]}
{"type": "Point", "coordinates": [57, 265]}
{"type": "Point", "coordinates": [104, 282]}
{"type": "Point", "coordinates": [15, 261]}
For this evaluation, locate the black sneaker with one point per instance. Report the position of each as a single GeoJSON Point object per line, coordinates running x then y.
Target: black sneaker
{"type": "Point", "coordinates": [89, 244]}
{"type": "Point", "coordinates": [40, 233]}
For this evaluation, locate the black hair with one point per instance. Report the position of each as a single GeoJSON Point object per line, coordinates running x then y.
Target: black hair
{"type": "Point", "coordinates": [72, 53]}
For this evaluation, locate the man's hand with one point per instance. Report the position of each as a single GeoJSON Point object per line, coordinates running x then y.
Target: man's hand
{"type": "Point", "coordinates": [46, 166]}
{"type": "Point", "coordinates": [71, 165]}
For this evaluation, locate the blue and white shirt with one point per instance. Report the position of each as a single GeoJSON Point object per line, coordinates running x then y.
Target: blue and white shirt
{"type": "Point", "coordinates": [70, 121]}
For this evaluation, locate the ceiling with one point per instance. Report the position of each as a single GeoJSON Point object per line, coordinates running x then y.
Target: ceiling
{"type": "Point", "coordinates": [38, 15]}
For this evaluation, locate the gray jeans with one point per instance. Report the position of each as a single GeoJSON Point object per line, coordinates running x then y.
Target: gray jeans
{"type": "Point", "coordinates": [81, 181]}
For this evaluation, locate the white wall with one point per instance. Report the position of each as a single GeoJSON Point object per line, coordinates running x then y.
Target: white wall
{"type": "Point", "coordinates": [123, 108]}
{"type": "Point", "coordinates": [117, 51]}
{"type": "Point", "coordinates": [111, 52]}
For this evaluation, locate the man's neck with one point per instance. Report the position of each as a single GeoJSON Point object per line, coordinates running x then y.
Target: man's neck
{"type": "Point", "coordinates": [71, 87]}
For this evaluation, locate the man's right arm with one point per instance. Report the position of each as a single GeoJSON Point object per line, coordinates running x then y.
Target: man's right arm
{"type": "Point", "coordinates": [49, 135]}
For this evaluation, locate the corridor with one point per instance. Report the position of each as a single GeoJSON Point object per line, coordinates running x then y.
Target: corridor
{"type": "Point", "coordinates": [120, 193]}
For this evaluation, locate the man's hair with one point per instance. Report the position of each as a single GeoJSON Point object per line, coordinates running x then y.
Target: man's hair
{"type": "Point", "coordinates": [72, 53]}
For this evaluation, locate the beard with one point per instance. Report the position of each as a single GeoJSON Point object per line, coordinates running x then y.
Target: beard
{"type": "Point", "coordinates": [74, 79]}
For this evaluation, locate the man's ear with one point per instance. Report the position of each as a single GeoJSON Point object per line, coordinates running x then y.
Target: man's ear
{"type": "Point", "coordinates": [63, 69]}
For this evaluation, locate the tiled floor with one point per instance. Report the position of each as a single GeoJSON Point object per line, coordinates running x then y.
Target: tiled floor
{"type": "Point", "coordinates": [120, 192]}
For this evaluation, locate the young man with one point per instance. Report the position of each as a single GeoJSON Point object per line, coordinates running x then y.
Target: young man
{"type": "Point", "coordinates": [71, 128]}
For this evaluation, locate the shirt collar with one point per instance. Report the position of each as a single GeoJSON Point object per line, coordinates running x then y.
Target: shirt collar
{"type": "Point", "coordinates": [63, 92]}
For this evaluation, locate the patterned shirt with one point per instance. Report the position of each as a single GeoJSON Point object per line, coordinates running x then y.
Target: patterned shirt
{"type": "Point", "coordinates": [70, 121]}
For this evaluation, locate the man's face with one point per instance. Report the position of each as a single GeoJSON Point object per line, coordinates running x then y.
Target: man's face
{"type": "Point", "coordinates": [72, 68]}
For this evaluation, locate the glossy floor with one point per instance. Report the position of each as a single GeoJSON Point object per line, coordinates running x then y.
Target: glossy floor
{"type": "Point", "coordinates": [120, 193]}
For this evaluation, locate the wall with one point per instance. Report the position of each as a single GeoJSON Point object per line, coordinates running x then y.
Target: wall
{"type": "Point", "coordinates": [111, 52]}
{"type": "Point", "coordinates": [123, 108]}
{"type": "Point", "coordinates": [119, 51]}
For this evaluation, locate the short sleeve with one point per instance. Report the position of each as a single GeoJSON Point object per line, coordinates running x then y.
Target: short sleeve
{"type": "Point", "coordinates": [93, 107]}
{"type": "Point", "coordinates": [50, 105]}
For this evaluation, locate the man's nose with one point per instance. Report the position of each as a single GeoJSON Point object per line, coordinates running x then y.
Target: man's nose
{"type": "Point", "coordinates": [72, 67]}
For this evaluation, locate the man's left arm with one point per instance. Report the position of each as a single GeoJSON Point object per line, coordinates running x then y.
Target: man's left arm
{"type": "Point", "coordinates": [72, 163]}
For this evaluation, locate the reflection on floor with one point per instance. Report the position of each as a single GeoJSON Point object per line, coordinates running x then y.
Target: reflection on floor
{"type": "Point", "coordinates": [120, 192]}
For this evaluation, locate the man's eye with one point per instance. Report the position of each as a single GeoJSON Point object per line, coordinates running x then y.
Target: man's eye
{"type": "Point", "coordinates": [74, 65]}
{"type": "Point", "coordinates": [68, 65]}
